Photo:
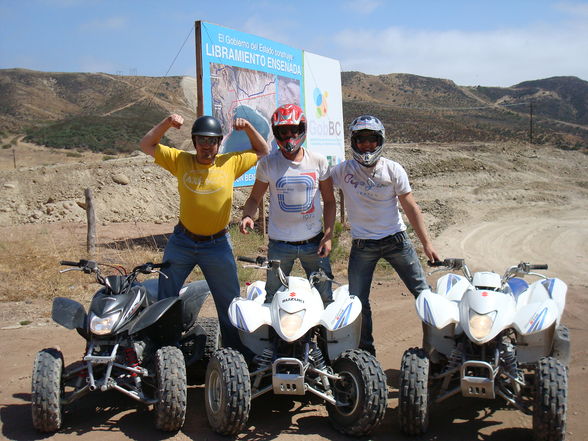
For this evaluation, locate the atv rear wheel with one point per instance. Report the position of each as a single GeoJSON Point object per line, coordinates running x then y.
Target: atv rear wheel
{"type": "Point", "coordinates": [413, 399]}
{"type": "Point", "coordinates": [171, 394]}
{"type": "Point", "coordinates": [550, 400]}
{"type": "Point", "coordinates": [227, 392]}
{"type": "Point", "coordinates": [47, 390]}
{"type": "Point", "coordinates": [212, 337]}
{"type": "Point", "coordinates": [361, 393]}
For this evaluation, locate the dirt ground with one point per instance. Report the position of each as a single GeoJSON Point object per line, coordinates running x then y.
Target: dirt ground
{"type": "Point", "coordinates": [493, 206]}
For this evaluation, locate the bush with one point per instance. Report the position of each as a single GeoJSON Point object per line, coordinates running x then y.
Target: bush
{"type": "Point", "coordinates": [112, 135]}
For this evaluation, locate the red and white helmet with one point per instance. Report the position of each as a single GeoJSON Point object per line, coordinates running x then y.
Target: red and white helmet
{"type": "Point", "coordinates": [289, 115]}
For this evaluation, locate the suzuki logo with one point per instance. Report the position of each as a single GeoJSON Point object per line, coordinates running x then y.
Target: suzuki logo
{"type": "Point", "coordinates": [292, 294]}
{"type": "Point", "coordinates": [484, 294]}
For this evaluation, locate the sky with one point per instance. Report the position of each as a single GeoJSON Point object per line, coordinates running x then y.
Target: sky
{"type": "Point", "coordinates": [471, 42]}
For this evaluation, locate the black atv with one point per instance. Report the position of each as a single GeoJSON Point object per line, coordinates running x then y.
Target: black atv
{"type": "Point", "coordinates": [144, 348]}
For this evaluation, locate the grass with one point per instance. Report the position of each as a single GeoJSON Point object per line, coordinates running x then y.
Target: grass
{"type": "Point", "coordinates": [29, 262]}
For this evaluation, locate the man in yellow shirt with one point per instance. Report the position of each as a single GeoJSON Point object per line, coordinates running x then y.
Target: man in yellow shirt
{"type": "Point", "coordinates": [205, 185]}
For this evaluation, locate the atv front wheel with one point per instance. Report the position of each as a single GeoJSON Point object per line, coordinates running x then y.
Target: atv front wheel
{"type": "Point", "coordinates": [413, 399]}
{"type": "Point", "coordinates": [361, 393]}
{"type": "Point", "coordinates": [47, 389]}
{"type": "Point", "coordinates": [227, 392]}
{"type": "Point", "coordinates": [171, 394]}
{"type": "Point", "coordinates": [550, 400]}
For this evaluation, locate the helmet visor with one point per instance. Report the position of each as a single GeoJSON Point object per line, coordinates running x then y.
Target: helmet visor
{"type": "Point", "coordinates": [362, 139]}
{"type": "Point", "coordinates": [288, 131]}
{"type": "Point", "coordinates": [206, 140]}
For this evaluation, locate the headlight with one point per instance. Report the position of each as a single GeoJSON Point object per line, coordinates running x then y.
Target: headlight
{"type": "Point", "coordinates": [481, 324]}
{"type": "Point", "coordinates": [103, 325]}
{"type": "Point", "coordinates": [290, 323]}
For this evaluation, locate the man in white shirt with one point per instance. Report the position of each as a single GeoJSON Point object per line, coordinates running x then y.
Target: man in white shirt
{"type": "Point", "coordinates": [297, 179]}
{"type": "Point", "coordinates": [372, 187]}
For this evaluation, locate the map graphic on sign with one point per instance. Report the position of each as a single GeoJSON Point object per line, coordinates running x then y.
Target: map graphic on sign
{"type": "Point", "coordinates": [251, 94]}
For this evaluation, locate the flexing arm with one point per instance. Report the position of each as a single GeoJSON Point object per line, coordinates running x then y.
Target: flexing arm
{"type": "Point", "coordinates": [250, 207]}
{"type": "Point", "coordinates": [415, 217]}
{"type": "Point", "coordinates": [329, 213]}
{"type": "Point", "coordinates": [153, 136]}
{"type": "Point", "coordinates": [258, 143]}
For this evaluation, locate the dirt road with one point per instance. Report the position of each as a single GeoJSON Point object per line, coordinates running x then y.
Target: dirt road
{"type": "Point", "coordinates": [493, 206]}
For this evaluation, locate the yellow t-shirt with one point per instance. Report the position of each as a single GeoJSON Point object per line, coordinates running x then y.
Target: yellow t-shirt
{"type": "Point", "coordinates": [206, 191]}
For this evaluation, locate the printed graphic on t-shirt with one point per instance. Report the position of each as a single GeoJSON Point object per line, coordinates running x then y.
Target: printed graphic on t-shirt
{"type": "Point", "coordinates": [206, 181]}
{"type": "Point", "coordinates": [361, 184]}
{"type": "Point", "coordinates": [296, 193]}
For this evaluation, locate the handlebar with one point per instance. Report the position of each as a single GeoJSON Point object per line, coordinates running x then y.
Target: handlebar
{"type": "Point", "coordinates": [70, 263]}
{"type": "Point", "coordinates": [149, 267]}
{"type": "Point", "coordinates": [541, 266]}
{"type": "Point", "coordinates": [449, 263]}
{"type": "Point", "coordinates": [259, 260]}
{"type": "Point", "coordinates": [91, 266]}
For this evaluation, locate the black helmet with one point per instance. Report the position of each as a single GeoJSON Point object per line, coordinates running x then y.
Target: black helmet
{"type": "Point", "coordinates": [207, 126]}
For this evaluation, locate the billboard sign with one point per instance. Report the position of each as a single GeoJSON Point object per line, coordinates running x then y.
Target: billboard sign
{"type": "Point", "coordinates": [243, 75]}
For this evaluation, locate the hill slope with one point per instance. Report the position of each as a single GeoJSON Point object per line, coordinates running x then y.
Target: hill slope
{"type": "Point", "coordinates": [110, 113]}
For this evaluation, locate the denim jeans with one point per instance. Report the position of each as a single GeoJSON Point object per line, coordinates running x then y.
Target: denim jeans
{"type": "Point", "coordinates": [399, 252]}
{"type": "Point", "coordinates": [215, 259]}
{"type": "Point", "coordinates": [309, 259]}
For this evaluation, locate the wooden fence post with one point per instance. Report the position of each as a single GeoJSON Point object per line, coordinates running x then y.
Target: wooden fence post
{"type": "Point", "coordinates": [91, 236]}
{"type": "Point", "coordinates": [261, 214]}
{"type": "Point", "coordinates": [342, 206]}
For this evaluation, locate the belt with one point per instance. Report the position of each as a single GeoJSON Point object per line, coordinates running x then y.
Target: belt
{"type": "Point", "coordinates": [199, 238]}
{"type": "Point", "coordinates": [314, 239]}
{"type": "Point", "coordinates": [398, 237]}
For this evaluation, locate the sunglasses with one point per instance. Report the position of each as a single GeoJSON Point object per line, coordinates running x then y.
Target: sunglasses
{"type": "Point", "coordinates": [206, 140]}
{"type": "Point", "coordinates": [288, 130]}
{"type": "Point", "coordinates": [359, 139]}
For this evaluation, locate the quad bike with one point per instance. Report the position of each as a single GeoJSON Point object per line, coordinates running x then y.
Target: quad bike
{"type": "Point", "coordinates": [487, 336]}
{"type": "Point", "coordinates": [136, 345]}
{"type": "Point", "coordinates": [299, 347]}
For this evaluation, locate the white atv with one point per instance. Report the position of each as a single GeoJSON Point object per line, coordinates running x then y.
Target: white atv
{"type": "Point", "coordinates": [300, 346]}
{"type": "Point", "coordinates": [487, 336]}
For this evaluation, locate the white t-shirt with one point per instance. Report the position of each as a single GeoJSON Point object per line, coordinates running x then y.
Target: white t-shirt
{"type": "Point", "coordinates": [371, 196]}
{"type": "Point", "coordinates": [295, 211]}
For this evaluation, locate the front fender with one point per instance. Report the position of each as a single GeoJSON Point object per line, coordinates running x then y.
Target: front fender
{"type": "Point", "coordinates": [436, 310]}
{"type": "Point", "coordinates": [342, 312]}
{"type": "Point", "coordinates": [68, 313]}
{"type": "Point", "coordinates": [248, 315]}
{"type": "Point", "coordinates": [536, 317]}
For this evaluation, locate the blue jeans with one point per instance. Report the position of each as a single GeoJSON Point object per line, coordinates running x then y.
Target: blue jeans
{"type": "Point", "coordinates": [309, 259]}
{"type": "Point", "coordinates": [215, 259]}
{"type": "Point", "coordinates": [399, 252]}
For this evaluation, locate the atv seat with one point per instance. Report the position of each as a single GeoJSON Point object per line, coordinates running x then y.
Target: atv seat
{"type": "Point", "coordinates": [193, 296]}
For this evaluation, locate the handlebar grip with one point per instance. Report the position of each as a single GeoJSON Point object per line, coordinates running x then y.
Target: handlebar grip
{"type": "Point", "coordinates": [246, 259]}
{"type": "Point", "coordinates": [160, 265]}
{"type": "Point", "coordinates": [436, 263]}
{"type": "Point", "coordinates": [540, 266]}
{"type": "Point", "coordinates": [69, 263]}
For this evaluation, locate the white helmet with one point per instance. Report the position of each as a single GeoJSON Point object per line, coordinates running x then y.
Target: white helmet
{"type": "Point", "coordinates": [367, 125]}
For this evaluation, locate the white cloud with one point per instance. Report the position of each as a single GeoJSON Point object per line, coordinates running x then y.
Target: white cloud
{"type": "Point", "coordinates": [106, 24]}
{"type": "Point", "coordinates": [93, 64]}
{"type": "Point", "coordinates": [276, 30]}
{"type": "Point", "coordinates": [501, 57]}
{"type": "Point", "coordinates": [364, 7]}
{"type": "Point", "coordinates": [575, 9]}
